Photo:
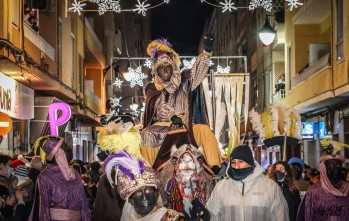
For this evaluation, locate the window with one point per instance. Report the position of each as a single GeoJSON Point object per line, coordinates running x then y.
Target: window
{"type": "Point", "coordinates": [73, 55]}
{"type": "Point", "coordinates": [15, 13]}
{"type": "Point", "coordinates": [339, 30]}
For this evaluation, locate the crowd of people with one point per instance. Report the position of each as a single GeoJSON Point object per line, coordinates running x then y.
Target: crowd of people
{"type": "Point", "coordinates": [168, 171]}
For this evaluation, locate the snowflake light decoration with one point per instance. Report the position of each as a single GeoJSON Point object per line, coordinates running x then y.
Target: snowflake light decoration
{"type": "Point", "coordinates": [266, 4]}
{"type": "Point", "coordinates": [189, 64]}
{"type": "Point", "coordinates": [141, 7]}
{"type": "Point", "coordinates": [293, 4]}
{"type": "Point", "coordinates": [227, 5]}
{"type": "Point", "coordinates": [118, 82]}
{"type": "Point", "coordinates": [105, 5]}
{"type": "Point", "coordinates": [116, 102]}
{"type": "Point", "coordinates": [77, 6]}
{"type": "Point", "coordinates": [148, 63]}
{"type": "Point", "coordinates": [166, 1]}
{"type": "Point", "coordinates": [222, 70]}
{"type": "Point", "coordinates": [138, 77]}
{"type": "Point", "coordinates": [211, 63]}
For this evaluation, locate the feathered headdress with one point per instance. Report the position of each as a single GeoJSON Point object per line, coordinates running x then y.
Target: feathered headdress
{"type": "Point", "coordinates": [130, 173]}
{"type": "Point", "coordinates": [331, 146]}
{"type": "Point", "coordinates": [280, 121]}
{"type": "Point", "coordinates": [160, 47]}
{"type": "Point", "coordinates": [37, 147]}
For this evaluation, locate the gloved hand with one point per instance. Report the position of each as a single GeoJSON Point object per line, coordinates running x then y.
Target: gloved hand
{"type": "Point", "coordinates": [208, 42]}
{"type": "Point", "coordinates": [199, 211]}
{"type": "Point", "coordinates": [186, 217]}
{"type": "Point", "coordinates": [176, 120]}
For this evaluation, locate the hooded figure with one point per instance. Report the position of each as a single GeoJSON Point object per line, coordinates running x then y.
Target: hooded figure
{"type": "Point", "coordinates": [138, 186]}
{"type": "Point", "coordinates": [60, 192]}
{"type": "Point", "coordinates": [329, 198]}
{"type": "Point", "coordinates": [170, 100]}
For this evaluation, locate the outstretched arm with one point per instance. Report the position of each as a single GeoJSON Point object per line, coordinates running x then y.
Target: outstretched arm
{"type": "Point", "coordinates": [200, 68]}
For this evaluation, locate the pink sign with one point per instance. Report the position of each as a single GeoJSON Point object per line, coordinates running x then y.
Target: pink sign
{"type": "Point", "coordinates": [52, 112]}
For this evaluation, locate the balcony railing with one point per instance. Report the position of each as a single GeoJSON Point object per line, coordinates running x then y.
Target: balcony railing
{"type": "Point", "coordinates": [279, 95]}
{"type": "Point", "coordinates": [39, 42]}
{"type": "Point", "coordinates": [311, 70]}
{"type": "Point", "coordinates": [92, 101]}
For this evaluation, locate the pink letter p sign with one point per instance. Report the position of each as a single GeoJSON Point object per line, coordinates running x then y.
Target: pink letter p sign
{"type": "Point", "coordinates": [52, 112]}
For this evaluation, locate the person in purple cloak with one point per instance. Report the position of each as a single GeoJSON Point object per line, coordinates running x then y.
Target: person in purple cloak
{"type": "Point", "coordinates": [329, 199]}
{"type": "Point", "coordinates": [59, 191]}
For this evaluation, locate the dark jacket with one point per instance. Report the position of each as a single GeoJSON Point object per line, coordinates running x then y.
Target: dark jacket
{"type": "Point", "coordinates": [293, 200]}
{"type": "Point", "coordinates": [108, 204]}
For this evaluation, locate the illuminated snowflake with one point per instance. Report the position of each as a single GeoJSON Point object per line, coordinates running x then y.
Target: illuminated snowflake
{"type": "Point", "coordinates": [141, 7]}
{"type": "Point", "coordinates": [138, 77]}
{"type": "Point", "coordinates": [293, 4]}
{"type": "Point", "coordinates": [227, 5]}
{"type": "Point", "coordinates": [105, 5]}
{"type": "Point", "coordinates": [211, 63]}
{"type": "Point", "coordinates": [116, 102]}
{"type": "Point", "coordinates": [77, 6]}
{"type": "Point", "coordinates": [266, 4]}
{"type": "Point", "coordinates": [118, 82]}
{"type": "Point", "coordinates": [189, 64]}
{"type": "Point", "coordinates": [148, 63]}
{"type": "Point", "coordinates": [166, 1]}
{"type": "Point", "coordinates": [222, 70]}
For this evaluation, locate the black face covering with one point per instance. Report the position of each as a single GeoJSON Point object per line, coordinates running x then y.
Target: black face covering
{"type": "Point", "coordinates": [240, 174]}
{"type": "Point", "coordinates": [279, 175]}
{"type": "Point", "coordinates": [334, 169]}
{"type": "Point", "coordinates": [144, 201]}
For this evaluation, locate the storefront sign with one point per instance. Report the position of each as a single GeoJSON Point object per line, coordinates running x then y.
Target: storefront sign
{"type": "Point", "coordinates": [5, 124]}
{"type": "Point", "coordinates": [54, 120]}
{"type": "Point", "coordinates": [16, 100]}
{"type": "Point", "coordinates": [308, 131]}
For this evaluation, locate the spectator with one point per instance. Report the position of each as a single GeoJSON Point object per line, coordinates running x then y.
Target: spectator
{"type": "Point", "coordinates": [282, 175]}
{"type": "Point", "coordinates": [94, 172]}
{"type": "Point", "coordinates": [297, 167]}
{"type": "Point", "coordinates": [245, 194]}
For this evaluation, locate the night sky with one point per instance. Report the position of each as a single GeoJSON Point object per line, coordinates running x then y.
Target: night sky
{"type": "Point", "coordinates": [182, 23]}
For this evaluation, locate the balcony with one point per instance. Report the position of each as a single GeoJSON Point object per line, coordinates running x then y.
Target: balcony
{"type": "Point", "coordinates": [39, 42]}
{"type": "Point", "coordinates": [279, 96]}
{"type": "Point", "coordinates": [317, 66]}
{"type": "Point", "coordinates": [313, 12]}
{"type": "Point", "coordinates": [92, 101]}
{"type": "Point", "coordinates": [93, 47]}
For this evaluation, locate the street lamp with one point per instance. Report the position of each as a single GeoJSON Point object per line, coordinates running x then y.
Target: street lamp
{"type": "Point", "coordinates": [267, 33]}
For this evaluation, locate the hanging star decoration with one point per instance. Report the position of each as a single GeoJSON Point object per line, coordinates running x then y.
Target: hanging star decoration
{"type": "Point", "coordinates": [148, 63]}
{"type": "Point", "coordinates": [141, 7]}
{"type": "Point", "coordinates": [266, 4]}
{"type": "Point", "coordinates": [293, 4]}
{"type": "Point", "coordinates": [118, 82]}
{"type": "Point", "coordinates": [77, 6]}
{"type": "Point", "coordinates": [189, 64]}
{"type": "Point", "coordinates": [116, 102]}
{"type": "Point", "coordinates": [138, 77]}
{"type": "Point", "coordinates": [222, 70]}
{"type": "Point", "coordinates": [227, 5]}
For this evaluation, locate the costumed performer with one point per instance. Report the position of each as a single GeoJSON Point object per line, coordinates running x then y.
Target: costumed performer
{"type": "Point", "coordinates": [118, 134]}
{"type": "Point", "coordinates": [169, 100]}
{"type": "Point", "coordinates": [59, 192]}
{"type": "Point", "coordinates": [138, 186]}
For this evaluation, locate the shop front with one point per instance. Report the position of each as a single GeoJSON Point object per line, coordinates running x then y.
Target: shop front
{"type": "Point", "coordinates": [16, 101]}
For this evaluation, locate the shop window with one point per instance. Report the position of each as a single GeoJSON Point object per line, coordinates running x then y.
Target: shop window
{"type": "Point", "coordinates": [339, 30]}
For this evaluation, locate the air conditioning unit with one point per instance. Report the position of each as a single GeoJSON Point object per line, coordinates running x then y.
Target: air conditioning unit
{"type": "Point", "coordinates": [50, 6]}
